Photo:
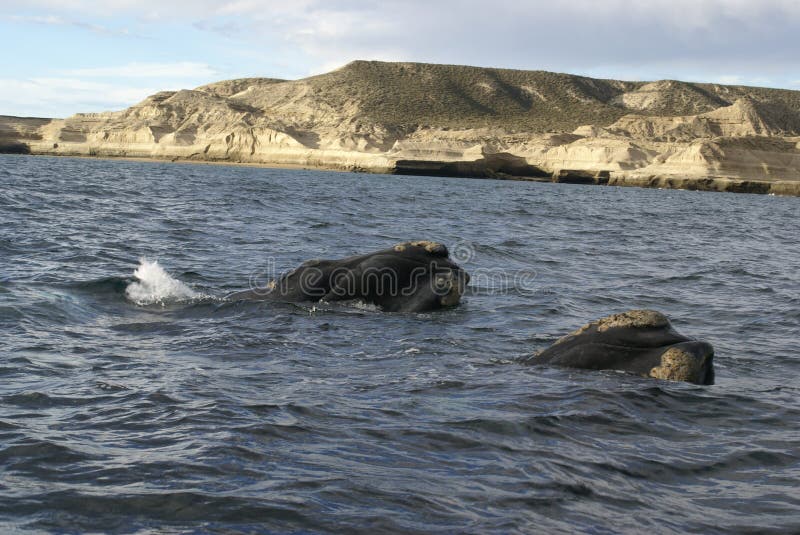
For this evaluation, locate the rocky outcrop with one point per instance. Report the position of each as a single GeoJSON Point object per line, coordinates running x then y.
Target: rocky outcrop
{"type": "Point", "coordinates": [16, 133]}
{"type": "Point", "coordinates": [579, 176]}
{"type": "Point", "coordinates": [461, 121]}
{"type": "Point", "coordinates": [502, 165]}
{"type": "Point", "coordinates": [745, 117]}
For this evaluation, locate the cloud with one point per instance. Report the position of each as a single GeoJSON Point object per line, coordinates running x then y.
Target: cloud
{"type": "Point", "coordinates": [181, 69]}
{"type": "Point", "coordinates": [55, 20]}
{"type": "Point", "coordinates": [737, 79]}
{"type": "Point", "coordinates": [731, 41]}
{"type": "Point", "coordinates": [48, 96]}
{"type": "Point", "coordinates": [661, 35]}
{"type": "Point", "coordinates": [729, 79]}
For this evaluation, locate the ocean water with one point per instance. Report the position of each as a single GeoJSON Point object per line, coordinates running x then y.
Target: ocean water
{"type": "Point", "coordinates": [153, 405]}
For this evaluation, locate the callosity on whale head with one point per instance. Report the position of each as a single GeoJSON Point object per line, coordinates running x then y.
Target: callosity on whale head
{"type": "Point", "coordinates": [638, 341]}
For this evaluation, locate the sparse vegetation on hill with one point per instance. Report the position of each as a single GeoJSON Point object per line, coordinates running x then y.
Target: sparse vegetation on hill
{"type": "Point", "coordinates": [447, 119]}
{"type": "Point", "coordinates": [449, 96]}
{"type": "Point", "coordinates": [453, 96]}
{"type": "Point", "coordinates": [228, 88]}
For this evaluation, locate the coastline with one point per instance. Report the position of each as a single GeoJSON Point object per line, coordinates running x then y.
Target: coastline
{"type": "Point", "coordinates": [455, 121]}
{"type": "Point", "coordinates": [789, 188]}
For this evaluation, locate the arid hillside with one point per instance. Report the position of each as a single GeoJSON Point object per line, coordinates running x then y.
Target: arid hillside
{"type": "Point", "coordinates": [455, 120]}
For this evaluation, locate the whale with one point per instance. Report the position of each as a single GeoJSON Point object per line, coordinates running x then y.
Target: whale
{"type": "Point", "coordinates": [412, 276]}
{"type": "Point", "coordinates": [641, 342]}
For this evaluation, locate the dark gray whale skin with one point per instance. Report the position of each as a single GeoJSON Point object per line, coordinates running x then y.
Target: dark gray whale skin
{"type": "Point", "coordinates": [642, 342]}
{"type": "Point", "coordinates": [415, 276]}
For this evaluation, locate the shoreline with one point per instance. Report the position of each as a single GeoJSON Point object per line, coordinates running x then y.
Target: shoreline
{"type": "Point", "coordinates": [785, 188]}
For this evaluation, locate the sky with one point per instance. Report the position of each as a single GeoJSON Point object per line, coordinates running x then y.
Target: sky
{"type": "Point", "coordinates": [61, 57]}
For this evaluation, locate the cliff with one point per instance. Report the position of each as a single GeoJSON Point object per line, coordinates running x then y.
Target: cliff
{"type": "Point", "coordinates": [452, 120]}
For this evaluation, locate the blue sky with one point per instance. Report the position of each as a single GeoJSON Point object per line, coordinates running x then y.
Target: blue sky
{"type": "Point", "coordinates": [68, 56]}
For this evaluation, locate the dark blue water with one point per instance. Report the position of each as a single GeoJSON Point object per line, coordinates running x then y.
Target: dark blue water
{"type": "Point", "coordinates": [196, 415]}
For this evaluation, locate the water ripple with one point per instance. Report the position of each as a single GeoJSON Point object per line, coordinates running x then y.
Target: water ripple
{"type": "Point", "coordinates": [202, 415]}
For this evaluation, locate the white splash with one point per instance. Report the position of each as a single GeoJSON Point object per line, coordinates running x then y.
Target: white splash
{"type": "Point", "coordinates": [358, 304]}
{"type": "Point", "coordinates": [153, 285]}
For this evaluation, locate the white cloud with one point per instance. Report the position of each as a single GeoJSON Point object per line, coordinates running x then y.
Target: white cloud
{"type": "Point", "coordinates": [728, 41]}
{"type": "Point", "coordinates": [578, 34]}
{"type": "Point", "coordinates": [96, 89]}
{"type": "Point", "coordinates": [729, 79]}
{"type": "Point", "coordinates": [666, 37]}
{"type": "Point", "coordinates": [48, 97]}
{"type": "Point", "coordinates": [676, 9]}
{"type": "Point", "coordinates": [182, 69]}
{"type": "Point", "coordinates": [44, 19]}
{"type": "Point", "coordinates": [738, 79]}
{"type": "Point", "coordinates": [55, 20]}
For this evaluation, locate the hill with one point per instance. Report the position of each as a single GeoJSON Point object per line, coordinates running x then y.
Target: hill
{"type": "Point", "coordinates": [448, 119]}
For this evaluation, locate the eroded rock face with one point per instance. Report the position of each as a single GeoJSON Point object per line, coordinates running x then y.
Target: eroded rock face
{"type": "Point", "coordinates": [642, 342]}
{"type": "Point", "coordinates": [460, 121]}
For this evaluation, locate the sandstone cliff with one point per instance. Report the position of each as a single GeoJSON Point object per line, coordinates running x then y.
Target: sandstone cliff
{"type": "Point", "coordinates": [451, 120]}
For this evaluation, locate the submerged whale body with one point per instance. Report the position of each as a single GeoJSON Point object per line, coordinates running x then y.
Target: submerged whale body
{"type": "Point", "coordinates": [413, 276]}
{"type": "Point", "coordinates": [638, 341]}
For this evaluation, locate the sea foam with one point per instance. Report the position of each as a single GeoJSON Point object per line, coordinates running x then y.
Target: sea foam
{"type": "Point", "coordinates": [153, 285]}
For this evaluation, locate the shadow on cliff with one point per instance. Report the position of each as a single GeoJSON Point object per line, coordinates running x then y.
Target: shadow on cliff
{"type": "Point", "coordinates": [497, 165]}
{"type": "Point", "coordinates": [14, 147]}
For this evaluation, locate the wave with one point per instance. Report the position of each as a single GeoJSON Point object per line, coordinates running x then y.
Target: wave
{"type": "Point", "coordinates": [152, 285]}
{"type": "Point", "coordinates": [111, 285]}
